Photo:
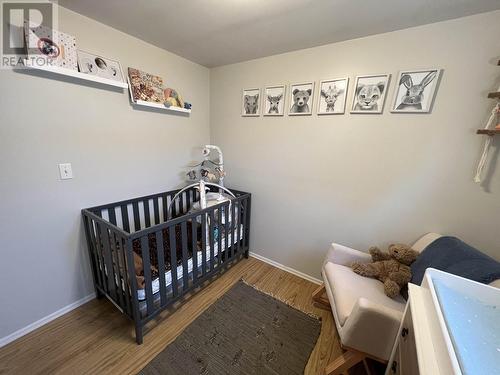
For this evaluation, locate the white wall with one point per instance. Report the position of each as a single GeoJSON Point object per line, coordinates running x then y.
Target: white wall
{"type": "Point", "coordinates": [117, 153]}
{"type": "Point", "coordinates": [366, 180]}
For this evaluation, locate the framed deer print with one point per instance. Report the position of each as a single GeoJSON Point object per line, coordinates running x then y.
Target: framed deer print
{"type": "Point", "coordinates": [332, 96]}
{"type": "Point", "coordinates": [415, 90]}
{"type": "Point", "coordinates": [274, 100]}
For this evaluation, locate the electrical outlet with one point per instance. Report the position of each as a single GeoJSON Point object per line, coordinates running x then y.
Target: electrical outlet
{"type": "Point", "coordinates": [65, 171]}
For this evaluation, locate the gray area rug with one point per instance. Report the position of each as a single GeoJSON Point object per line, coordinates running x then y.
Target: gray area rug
{"type": "Point", "coordinates": [244, 332]}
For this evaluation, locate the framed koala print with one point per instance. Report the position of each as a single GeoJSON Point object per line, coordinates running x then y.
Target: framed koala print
{"type": "Point", "coordinates": [250, 105]}
{"type": "Point", "coordinates": [370, 93]}
{"type": "Point", "coordinates": [301, 99]}
{"type": "Point", "coordinates": [274, 100]}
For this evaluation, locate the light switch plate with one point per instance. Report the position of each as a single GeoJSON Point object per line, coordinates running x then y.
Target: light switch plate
{"type": "Point", "coordinates": [65, 171]}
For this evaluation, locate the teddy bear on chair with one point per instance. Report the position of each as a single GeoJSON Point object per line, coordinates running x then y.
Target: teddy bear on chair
{"type": "Point", "coordinates": [391, 268]}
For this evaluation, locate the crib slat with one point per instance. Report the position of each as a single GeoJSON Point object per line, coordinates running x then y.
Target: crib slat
{"type": "Point", "coordinates": [165, 207]}
{"type": "Point", "coordinates": [247, 225]}
{"type": "Point", "coordinates": [116, 268]}
{"type": "Point", "coordinates": [233, 228]}
{"type": "Point", "coordinates": [99, 252]}
{"type": "Point", "coordinates": [95, 254]}
{"type": "Point", "coordinates": [203, 244]}
{"type": "Point", "coordinates": [125, 278]}
{"type": "Point", "coordinates": [107, 259]}
{"type": "Point", "coordinates": [147, 216]}
{"type": "Point", "coordinates": [126, 224]}
{"type": "Point", "coordinates": [181, 202]}
{"type": "Point", "coordinates": [161, 266]}
{"type": "Point", "coordinates": [112, 215]}
{"type": "Point", "coordinates": [211, 237]}
{"type": "Point", "coordinates": [227, 229]}
{"type": "Point", "coordinates": [185, 256]}
{"type": "Point", "coordinates": [137, 220]}
{"type": "Point", "coordinates": [156, 211]}
{"type": "Point", "coordinates": [244, 203]}
{"type": "Point", "coordinates": [173, 261]}
{"type": "Point", "coordinates": [220, 227]}
{"type": "Point", "coordinates": [238, 223]}
{"type": "Point", "coordinates": [147, 273]}
{"type": "Point", "coordinates": [194, 241]}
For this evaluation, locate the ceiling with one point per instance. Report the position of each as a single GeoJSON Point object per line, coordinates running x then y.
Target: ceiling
{"type": "Point", "coordinates": [219, 32]}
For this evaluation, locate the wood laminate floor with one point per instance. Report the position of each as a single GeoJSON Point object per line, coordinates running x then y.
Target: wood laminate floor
{"type": "Point", "coordinates": [97, 339]}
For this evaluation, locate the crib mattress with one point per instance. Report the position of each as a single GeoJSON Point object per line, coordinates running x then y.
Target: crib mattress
{"type": "Point", "coordinates": [232, 239]}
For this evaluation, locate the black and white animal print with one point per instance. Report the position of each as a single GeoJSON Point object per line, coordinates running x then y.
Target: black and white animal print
{"type": "Point", "coordinates": [251, 104]}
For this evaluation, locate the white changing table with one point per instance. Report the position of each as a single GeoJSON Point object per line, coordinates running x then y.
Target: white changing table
{"type": "Point", "coordinates": [451, 325]}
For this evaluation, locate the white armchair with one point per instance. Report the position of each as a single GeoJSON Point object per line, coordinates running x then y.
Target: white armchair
{"type": "Point", "coordinates": [367, 320]}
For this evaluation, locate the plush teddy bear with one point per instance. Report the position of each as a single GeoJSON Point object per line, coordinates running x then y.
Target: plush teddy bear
{"type": "Point", "coordinates": [391, 268]}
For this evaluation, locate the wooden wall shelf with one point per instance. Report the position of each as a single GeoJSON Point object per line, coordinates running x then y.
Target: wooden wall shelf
{"type": "Point", "coordinates": [490, 132]}
{"type": "Point", "coordinates": [75, 74]}
{"type": "Point", "coordinates": [493, 95]}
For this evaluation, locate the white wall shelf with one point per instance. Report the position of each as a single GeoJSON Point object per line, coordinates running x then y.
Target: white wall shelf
{"type": "Point", "coordinates": [75, 74]}
{"type": "Point", "coordinates": [143, 103]}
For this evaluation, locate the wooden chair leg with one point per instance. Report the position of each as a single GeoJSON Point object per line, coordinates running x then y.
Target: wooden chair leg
{"type": "Point", "coordinates": [318, 296]}
{"type": "Point", "coordinates": [344, 362]}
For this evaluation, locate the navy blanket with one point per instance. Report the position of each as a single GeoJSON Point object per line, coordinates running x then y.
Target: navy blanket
{"type": "Point", "coordinates": [452, 255]}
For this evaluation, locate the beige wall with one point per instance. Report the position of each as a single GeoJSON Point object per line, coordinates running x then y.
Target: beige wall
{"type": "Point", "coordinates": [366, 180]}
{"type": "Point", "coordinates": [117, 153]}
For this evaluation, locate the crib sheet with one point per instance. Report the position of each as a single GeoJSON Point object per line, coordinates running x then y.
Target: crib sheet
{"type": "Point", "coordinates": [232, 237]}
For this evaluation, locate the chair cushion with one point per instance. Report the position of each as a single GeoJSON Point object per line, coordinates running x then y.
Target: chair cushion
{"type": "Point", "coordinates": [347, 287]}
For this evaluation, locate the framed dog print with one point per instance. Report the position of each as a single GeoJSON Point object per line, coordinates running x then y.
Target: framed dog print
{"type": "Point", "coordinates": [332, 95]}
{"type": "Point", "coordinates": [274, 100]}
{"type": "Point", "coordinates": [415, 91]}
{"type": "Point", "coordinates": [89, 63]}
{"type": "Point", "coordinates": [301, 99]}
{"type": "Point", "coordinates": [369, 94]}
{"type": "Point", "coordinates": [250, 105]}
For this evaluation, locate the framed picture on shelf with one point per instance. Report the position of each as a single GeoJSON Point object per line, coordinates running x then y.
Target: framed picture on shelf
{"type": "Point", "coordinates": [301, 99]}
{"type": "Point", "coordinates": [146, 87]}
{"type": "Point", "coordinates": [52, 47]}
{"type": "Point", "coordinates": [332, 95]}
{"type": "Point", "coordinates": [250, 105]}
{"type": "Point", "coordinates": [89, 63]}
{"type": "Point", "coordinates": [415, 91]}
{"type": "Point", "coordinates": [369, 93]}
{"type": "Point", "coordinates": [274, 100]}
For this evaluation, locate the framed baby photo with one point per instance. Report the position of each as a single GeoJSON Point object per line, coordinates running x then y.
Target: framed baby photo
{"type": "Point", "coordinates": [301, 99]}
{"type": "Point", "coordinates": [274, 100]}
{"type": "Point", "coordinates": [369, 93]}
{"type": "Point", "coordinates": [250, 104]}
{"type": "Point", "coordinates": [415, 90]}
{"type": "Point", "coordinates": [332, 95]}
{"type": "Point", "coordinates": [89, 63]}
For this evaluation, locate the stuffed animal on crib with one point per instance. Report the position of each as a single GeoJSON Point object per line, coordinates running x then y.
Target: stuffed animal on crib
{"type": "Point", "coordinates": [172, 98]}
{"type": "Point", "coordinates": [391, 268]}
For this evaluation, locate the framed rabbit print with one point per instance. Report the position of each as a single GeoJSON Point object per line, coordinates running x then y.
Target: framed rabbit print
{"type": "Point", "coordinates": [274, 100]}
{"type": "Point", "coordinates": [415, 90]}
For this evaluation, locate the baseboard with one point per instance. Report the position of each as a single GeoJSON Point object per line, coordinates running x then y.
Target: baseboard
{"type": "Point", "coordinates": [286, 268]}
{"type": "Point", "coordinates": [31, 327]}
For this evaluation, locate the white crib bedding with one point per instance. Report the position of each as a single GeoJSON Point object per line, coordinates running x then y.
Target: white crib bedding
{"type": "Point", "coordinates": [232, 238]}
